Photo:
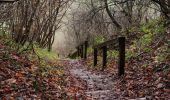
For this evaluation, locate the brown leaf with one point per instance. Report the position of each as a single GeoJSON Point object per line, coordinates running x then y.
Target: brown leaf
{"type": "Point", "coordinates": [11, 81]}
{"type": "Point", "coordinates": [19, 75]}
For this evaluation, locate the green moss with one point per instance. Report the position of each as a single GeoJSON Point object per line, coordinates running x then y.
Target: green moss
{"type": "Point", "coordinates": [45, 54]}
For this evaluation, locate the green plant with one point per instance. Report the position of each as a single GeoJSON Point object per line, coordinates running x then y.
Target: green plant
{"type": "Point", "coordinates": [15, 46]}
{"type": "Point", "coordinates": [154, 26]}
{"type": "Point", "coordinates": [14, 86]}
{"type": "Point", "coordinates": [45, 54]}
{"type": "Point", "coordinates": [99, 39]}
{"type": "Point", "coordinates": [89, 50]}
{"type": "Point", "coordinates": [143, 43]}
{"type": "Point", "coordinates": [2, 32]}
{"type": "Point", "coordinates": [147, 49]}
{"type": "Point", "coordinates": [162, 53]}
{"type": "Point", "coordinates": [113, 53]}
{"type": "Point", "coordinates": [129, 54]}
{"type": "Point", "coordinates": [35, 86]}
{"type": "Point", "coordinates": [146, 39]}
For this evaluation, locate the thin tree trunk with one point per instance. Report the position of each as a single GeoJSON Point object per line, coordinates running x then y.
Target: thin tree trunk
{"type": "Point", "coordinates": [112, 16]}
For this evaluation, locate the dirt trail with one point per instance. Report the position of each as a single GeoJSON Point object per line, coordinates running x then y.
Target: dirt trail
{"type": "Point", "coordinates": [99, 87]}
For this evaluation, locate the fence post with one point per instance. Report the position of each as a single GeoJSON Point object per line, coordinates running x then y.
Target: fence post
{"type": "Point", "coordinates": [78, 53]}
{"type": "Point", "coordinates": [82, 51]}
{"type": "Point", "coordinates": [104, 57]}
{"type": "Point", "coordinates": [121, 65]}
{"type": "Point", "coordinates": [85, 52]}
{"type": "Point", "coordinates": [95, 56]}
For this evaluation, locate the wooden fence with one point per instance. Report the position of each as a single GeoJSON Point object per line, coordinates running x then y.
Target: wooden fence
{"type": "Point", "coordinates": [82, 50]}
{"type": "Point", "coordinates": [117, 44]}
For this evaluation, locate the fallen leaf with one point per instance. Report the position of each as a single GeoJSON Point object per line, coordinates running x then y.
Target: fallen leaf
{"type": "Point", "coordinates": [11, 81]}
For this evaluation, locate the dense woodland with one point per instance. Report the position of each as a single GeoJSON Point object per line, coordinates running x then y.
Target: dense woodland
{"type": "Point", "coordinates": [39, 55]}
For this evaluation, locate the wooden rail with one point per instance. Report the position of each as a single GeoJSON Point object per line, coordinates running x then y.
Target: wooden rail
{"type": "Point", "coordinates": [8, 1]}
{"type": "Point", "coordinates": [109, 42]}
{"type": "Point", "coordinates": [82, 50]}
{"type": "Point", "coordinates": [118, 44]}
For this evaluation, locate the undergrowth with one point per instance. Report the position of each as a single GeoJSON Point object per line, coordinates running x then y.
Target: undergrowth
{"type": "Point", "coordinates": [151, 41]}
{"type": "Point", "coordinates": [33, 52]}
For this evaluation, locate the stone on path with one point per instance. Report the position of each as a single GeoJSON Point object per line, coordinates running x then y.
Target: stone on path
{"type": "Point", "coordinates": [99, 87]}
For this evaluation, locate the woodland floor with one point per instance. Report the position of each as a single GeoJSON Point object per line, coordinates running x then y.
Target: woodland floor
{"type": "Point", "coordinates": [137, 84]}
{"type": "Point", "coordinates": [24, 79]}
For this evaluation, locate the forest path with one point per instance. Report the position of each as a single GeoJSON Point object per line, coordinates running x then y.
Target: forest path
{"type": "Point", "coordinates": [99, 86]}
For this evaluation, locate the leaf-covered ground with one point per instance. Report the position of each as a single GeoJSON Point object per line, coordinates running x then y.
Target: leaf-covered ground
{"type": "Point", "coordinates": [145, 75]}
{"type": "Point", "coordinates": [23, 78]}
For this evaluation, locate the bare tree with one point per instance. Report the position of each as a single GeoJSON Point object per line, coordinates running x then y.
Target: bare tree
{"type": "Point", "coordinates": [35, 20]}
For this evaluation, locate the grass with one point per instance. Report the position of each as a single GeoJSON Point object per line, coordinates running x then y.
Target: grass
{"type": "Point", "coordinates": [40, 52]}
{"type": "Point", "coordinates": [45, 54]}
